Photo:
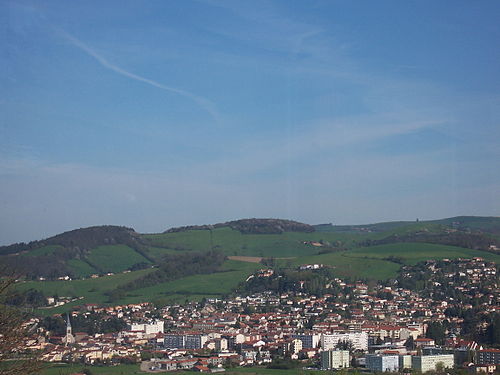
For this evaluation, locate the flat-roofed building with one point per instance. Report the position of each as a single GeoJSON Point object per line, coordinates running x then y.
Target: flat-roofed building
{"type": "Point", "coordinates": [382, 363]}
{"type": "Point", "coordinates": [424, 363]}
{"type": "Point", "coordinates": [488, 357]}
{"type": "Point", "coordinates": [359, 340]}
{"type": "Point", "coordinates": [333, 359]}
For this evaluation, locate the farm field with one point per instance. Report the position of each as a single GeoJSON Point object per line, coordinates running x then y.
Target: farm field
{"type": "Point", "coordinates": [196, 287]}
{"type": "Point", "coordinates": [63, 369]}
{"type": "Point", "coordinates": [412, 253]}
{"type": "Point", "coordinates": [234, 243]}
{"type": "Point", "coordinates": [92, 290]}
{"type": "Point", "coordinates": [114, 258]}
{"type": "Point", "coordinates": [157, 253]}
{"type": "Point", "coordinates": [45, 250]}
{"type": "Point", "coordinates": [345, 266]}
{"type": "Point", "coordinates": [66, 369]}
{"type": "Point", "coordinates": [81, 268]}
{"type": "Point", "coordinates": [192, 287]}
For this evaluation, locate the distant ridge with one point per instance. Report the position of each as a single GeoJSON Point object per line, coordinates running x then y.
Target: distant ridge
{"type": "Point", "coordinates": [106, 249]}
{"type": "Point", "coordinates": [253, 226]}
{"type": "Point", "coordinates": [485, 224]}
{"type": "Point", "coordinates": [80, 239]}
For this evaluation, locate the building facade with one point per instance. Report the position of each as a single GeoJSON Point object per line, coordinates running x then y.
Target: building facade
{"type": "Point", "coordinates": [382, 363]}
{"type": "Point", "coordinates": [424, 363]}
{"type": "Point", "coordinates": [359, 340]}
{"type": "Point", "coordinates": [335, 359]}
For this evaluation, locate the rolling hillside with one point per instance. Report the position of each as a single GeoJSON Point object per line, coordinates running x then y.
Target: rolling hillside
{"type": "Point", "coordinates": [375, 252]}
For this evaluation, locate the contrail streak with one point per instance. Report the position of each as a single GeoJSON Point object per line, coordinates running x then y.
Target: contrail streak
{"type": "Point", "coordinates": [204, 103]}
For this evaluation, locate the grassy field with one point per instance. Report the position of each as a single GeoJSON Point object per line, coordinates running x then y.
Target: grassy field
{"type": "Point", "coordinates": [197, 286]}
{"type": "Point", "coordinates": [192, 288]}
{"type": "Point", "coordinates": [157, 253]}
{"type": "Point", "coordinates": [81, 268]}
{"type": "Point", "coordinates": [232, 242]}
{"type": "Point", "coordinates": [66, 369]}
{"type": "Point", "coordinates": [345, 266]}
{"type": "Point", "coordinates": [370, 263]}
{"type": "Point", "coordinates": [63, 369]}
{"type": "Point", "coordinates": [92, 290]}
{"type": "Point", "coordinates": [412, 253]}
{"type": "Point", "coordinates": [115, 258]}
{"type": "Point", "coordinates": [45, 250]}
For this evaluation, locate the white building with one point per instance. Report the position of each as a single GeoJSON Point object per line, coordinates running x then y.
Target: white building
{"type": "Point", "coordinates": [148, 328]}
{"type": "Point", "coordinates": [382, 363]}
{"type": "Point", "coordinates": [404, 362]}
{"type": "Point", "coordinates": [424, 363]}
{"type": "Point", "coordinates": [334, 359]}
{"type": "Point", "coordinates": [359, 340]}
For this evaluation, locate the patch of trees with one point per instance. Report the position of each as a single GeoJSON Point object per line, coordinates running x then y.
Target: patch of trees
{"type": "Point", "coordinates": [14, 357]}
{"type": "Point", "coordinates": [90, 324]}
{"type": "Point", "coordinates": [284, 364]}
{"type": "Point", "coordinates": [311, 282]}
{"type": "Point", "coordinates": [48, 266]}
{"type": "Point", "coordinates": [492, 332]}
{"type": "Point", "coordinates": [437, 332]}
{"type": "Point", "coordinates": [253, 226]}
{"type": "Point", "coordinates": [27, 298]}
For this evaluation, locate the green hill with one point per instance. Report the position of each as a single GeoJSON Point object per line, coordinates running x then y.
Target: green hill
{"type": "Point", "coordinates": [372, 252]}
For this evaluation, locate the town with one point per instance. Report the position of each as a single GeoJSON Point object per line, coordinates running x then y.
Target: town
{"type": "Point", "coordinates": [439, 314]}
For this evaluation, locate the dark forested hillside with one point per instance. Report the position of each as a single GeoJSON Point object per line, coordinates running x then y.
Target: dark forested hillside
{"type": "Point", "coordinates": [80, 239]}
{"type": "Point", "coordinates": [253, 226]}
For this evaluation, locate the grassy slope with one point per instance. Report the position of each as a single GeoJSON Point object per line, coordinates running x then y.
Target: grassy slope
{"type": "Point", "coordinates": [232, 242]}
{"type": "Point", "coordinates": [345, 266]}
{"type": "Point", "coordinates": [45, 250]}
{"type": "Point", "coordinates": [157, 253]}
{"type": "Point", "coordinates": [487, 224]}
{"type": "Point", "coordinates": [114, 258]}
{"type": "Point", "coordinates": [91, 289]}
{"type": "Point", "coordinates": [81, 268]}
{"type": "Point", "coordinates": [197, 286]}
{"type": "Point", "coordinates": [192, 287]}
{"type": "Point", "coordinates": [412, 253]}
{"type": "Point", "coordinates": [66, 369]}
{"type": "Point", "coordinates": [368, 262]}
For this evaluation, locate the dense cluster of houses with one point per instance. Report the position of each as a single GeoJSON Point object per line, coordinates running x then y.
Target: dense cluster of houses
{"type": "Point", "coordinates": [381, 327]}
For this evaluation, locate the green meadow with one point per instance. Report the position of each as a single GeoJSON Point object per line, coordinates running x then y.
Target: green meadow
{"type": "Point", "coordinates": [232, 242]}
{"type": "Point", "coordinates": [114, 258]}
{"type": "Point", "coordinates": [345, 266]}
{"type": "Point", "coordinates": [196, 287]}
{"type": "Point", "coordinates": [192, 287]}
{"type": "Point", "coordinates": [45, 250]}
{"type": "Point", "coordinates": [92, 290]}
{"type": "Point", "coordinates": [412, 253]}
{"type": "Point", "coordinates": [67, 369]}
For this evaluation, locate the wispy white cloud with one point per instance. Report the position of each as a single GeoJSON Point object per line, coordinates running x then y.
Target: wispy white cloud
{"type": "Point", "coordinates": [203, 102]}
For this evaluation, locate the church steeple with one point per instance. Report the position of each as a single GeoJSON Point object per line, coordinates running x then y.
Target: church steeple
{"type": "Point", "coordinates": [68, 325]}
{"type": "Point", "coordinates": [69, 338]}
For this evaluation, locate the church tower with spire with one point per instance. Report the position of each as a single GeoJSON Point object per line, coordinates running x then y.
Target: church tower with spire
{"type": "Point", "coordinates": [69, 338]}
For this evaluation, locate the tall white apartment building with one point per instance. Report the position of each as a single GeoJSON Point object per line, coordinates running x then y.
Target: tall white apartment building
{"type": "Point", "coordinates": [424, 363]}
{"type": "Point", "coordinates": [359, 340]}
{"type": "Point", "coordinates": [334, 359]}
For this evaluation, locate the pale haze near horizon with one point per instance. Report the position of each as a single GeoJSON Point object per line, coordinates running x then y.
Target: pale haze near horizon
{"type": "Point", "coordinates": [156, 114]}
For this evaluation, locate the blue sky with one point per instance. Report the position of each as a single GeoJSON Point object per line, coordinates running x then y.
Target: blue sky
{"type": "Point", "coordinates": [155, 114]}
